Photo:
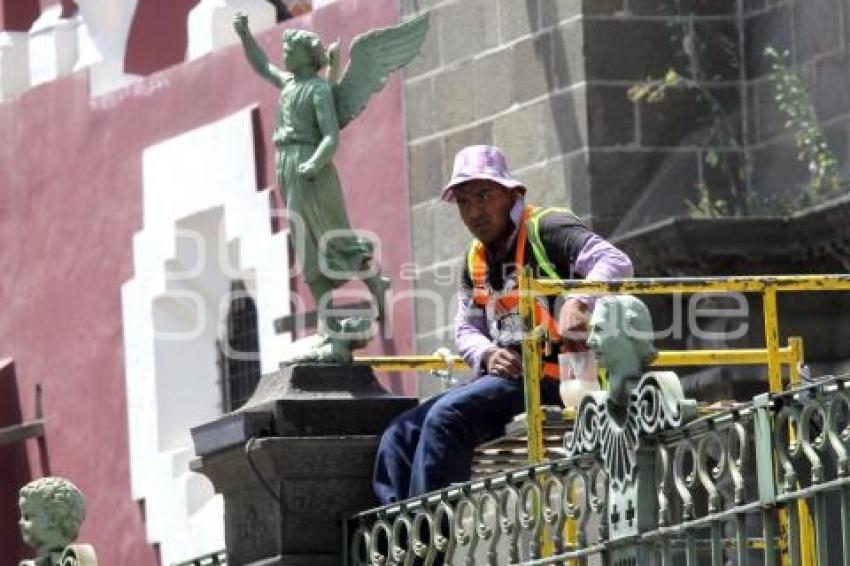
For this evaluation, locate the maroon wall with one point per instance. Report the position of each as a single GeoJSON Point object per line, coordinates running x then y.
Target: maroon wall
{"type": "Point", "coordinates": [158, 36]}
{"type": "Point", "coordinates": [70, 202]}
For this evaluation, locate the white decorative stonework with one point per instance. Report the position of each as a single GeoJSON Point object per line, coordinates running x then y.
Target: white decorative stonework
{"type": "Point", "coordinates": [205, 224]}
{"type": "Point", "coordinates": [657, 403]}
{"type": "Point", "coordinates": [14, 64]}
{"type": "Point", "coordinates": [211, 23]}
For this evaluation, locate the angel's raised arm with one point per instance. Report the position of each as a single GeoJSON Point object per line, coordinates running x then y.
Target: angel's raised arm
{"type": "Point", "coordinates": [255, 54]}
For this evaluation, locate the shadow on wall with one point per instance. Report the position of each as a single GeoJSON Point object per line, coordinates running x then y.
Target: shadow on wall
{"type": "Point", "coordinates": [15, 471]}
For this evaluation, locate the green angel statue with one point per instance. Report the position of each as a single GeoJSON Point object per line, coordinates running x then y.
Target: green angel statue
{"type": "Point", "coordinates": [311, 112]}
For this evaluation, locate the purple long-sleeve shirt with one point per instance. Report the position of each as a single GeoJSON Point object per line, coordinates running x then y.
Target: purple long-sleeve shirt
{"type": "Point", "coordinates": [597, 260]}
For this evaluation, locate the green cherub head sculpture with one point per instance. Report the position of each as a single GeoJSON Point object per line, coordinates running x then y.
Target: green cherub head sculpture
{"type": "Point", "coordinates": [621, 338]}
{"type": "Point", "coordinates": [302, 47]}
{"type": "Point", "coordinates": [52, 510]}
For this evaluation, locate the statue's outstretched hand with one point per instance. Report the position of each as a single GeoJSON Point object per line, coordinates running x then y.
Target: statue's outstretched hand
{"type": "Point", "coordinates": [240, 23]}
{"type": "Point", "coordinates": [308, 170]}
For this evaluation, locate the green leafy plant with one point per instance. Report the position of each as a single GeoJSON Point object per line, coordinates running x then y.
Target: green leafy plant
{"type": "Point", "coordinates": [793, 99]}
{"type": "Point", "coordinates": [653, 91]}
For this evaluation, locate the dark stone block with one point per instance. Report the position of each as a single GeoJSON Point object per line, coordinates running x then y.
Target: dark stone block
{"type": "Point", "coordinates": [610, 116]}
{"type": "Point", "coordinates": [718, 53]}
{"type": "Point", "coordinates": [753, 5]}
{"type": "Point", "coordinates": [568, 110]}
{"type": "Point", "coordinates": [326, 400]}
{"type": "Point", "coordinates": [777, 177]}
{"type": "Point", "coordinates": [643, 48]}
{"type": "Point", "coordinates": [766, 29]}
{"type": "Point", "coordinates": [231, 430]}
{"type": "Point", "coordinates": [683, 7]}
{"type": "Point", "coordinates": [568, 59]}
{"type": "Point", "coordinates": [832, 86]}
{"type": "Point", "coordinates": [630, 189]}
{"type": "Point", "coordinates": [602, 7]}
{"type": "Point", "coordinates": [687, 117]}
{"type": "Point", "coordinates": [577, 168]}
{"type": "Point", "coordinates": [818, 26]}
{"type": "Point", "coordinates": [725, 179]}
{"type": "Point", "coordinates": [316, 482]}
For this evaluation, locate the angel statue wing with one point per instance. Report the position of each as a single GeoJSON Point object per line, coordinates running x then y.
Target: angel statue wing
{"type": "Point", "coordinates": [374, 55]}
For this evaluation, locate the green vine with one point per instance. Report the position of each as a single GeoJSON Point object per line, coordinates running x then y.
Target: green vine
{"type": "Point", "coordinates": [792, 98]}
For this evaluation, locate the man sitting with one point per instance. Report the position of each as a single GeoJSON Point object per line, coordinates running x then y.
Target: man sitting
{"type": "Point", "coordinates": [431, 446]}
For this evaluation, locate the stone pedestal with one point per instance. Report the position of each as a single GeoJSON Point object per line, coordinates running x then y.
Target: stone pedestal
{"type": "Point", "coordinates": [310, 471]}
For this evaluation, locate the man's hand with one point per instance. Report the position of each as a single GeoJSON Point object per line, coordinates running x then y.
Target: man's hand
{"type": "Point", "coordinates": [240, 23]}
{"type": "Point", "coordinates": [572, 325]}
{"type": "Point", "coordinates": [503, 362]}
{"type": "Point", "coordinates": [308, 170]}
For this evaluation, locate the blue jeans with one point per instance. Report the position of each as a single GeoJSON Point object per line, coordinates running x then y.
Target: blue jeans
{"type": "Point", "coordinates": [430, 446]}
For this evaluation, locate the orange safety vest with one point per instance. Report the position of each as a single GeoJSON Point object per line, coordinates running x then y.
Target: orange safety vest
{"type": "Point", "coordinates": [509, 301]}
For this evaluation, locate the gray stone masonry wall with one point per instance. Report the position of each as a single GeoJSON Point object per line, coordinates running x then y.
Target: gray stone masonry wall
{"type": "Point", "coordinates": [546, 80]}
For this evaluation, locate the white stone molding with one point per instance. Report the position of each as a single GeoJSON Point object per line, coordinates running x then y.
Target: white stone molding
{"type": "Point", "coordinates": [14, 64]}
{"type": "Point", "coordinates": [204, 225]}
{"type": "Point", "coordinates": [211, 24]}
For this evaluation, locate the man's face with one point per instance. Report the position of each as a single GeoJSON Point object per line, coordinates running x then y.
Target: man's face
{"type": "Point", "coordinates": [485, 208]}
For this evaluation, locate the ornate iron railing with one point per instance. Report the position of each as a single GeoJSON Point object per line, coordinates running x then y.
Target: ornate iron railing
{"type": "Point", "coordinates": [740, 486]}
{"type": "Point", "coordinates": [754, 483]}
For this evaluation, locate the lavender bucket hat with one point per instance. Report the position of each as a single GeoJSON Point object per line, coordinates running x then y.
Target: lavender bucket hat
{"type": "Point", "coordinates": [480, 162]}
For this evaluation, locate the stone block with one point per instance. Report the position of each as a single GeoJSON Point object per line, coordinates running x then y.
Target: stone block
{"type": "Point", "coordinates": [718, 57]}
{"type": "Point", "coordinates": [425, 162]}
{"type": "Point", "coordinates": [577, 169]}
{"type": "Point", "coordinates": [436, 293]}
{"type": "Point", "coordinates": [602, 7]}
{"type": "Point", "coordinates": [552, 12]}
{"type": "Point", "coordinates": [532, 73]}
{"type": "Point", "coordinates": [547, 183]}
{"type": "Point", "coordinates": [683, 7]}
{"type": "Point", "coordinates": [524, 133]}
{"type": "Point", "coordinates": [420, 107]}
{"type": "Point", "coordinates": [568, 63]}
{"type": "Point", "coordinates": [438, 232]}
{"type": "Point", "coordinates": [818, 27]}
{"type": "Point", "coordinates": [685, 117]}
{"type": "Point", "coordinates": [753, 6]}
{"type": "Point", "coordinates": [770, 121]}
{"type": "Point", "coordinates": [566, 122]}
{"type": "Point", "coordinates": [769, 28]}
{"type": "Point", "coordinates": [477, 134]}
{"type": "Point", "coordinates": [492, 82]}
{"type": "Point", "coordinates": [643, 48]}
{"type": "Point", "coordinates": [429, 54]}
{"type": "Point", "coordinates": [455, 99]}
{"type": "Point", "coordinates": [630, 189]}
{"type": "Point", "coordinates": [725, 179]}
{"type": "Point", "coordinates": [832, 86]}
{"type": "Point", "coordinates": [777, 177]}
{"type": "Point", "coordinates": [610, 116]}
{"type": "Point", "coordinates": [467, 27]}
{"type": "Point", "coordinates": [518, 19]}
